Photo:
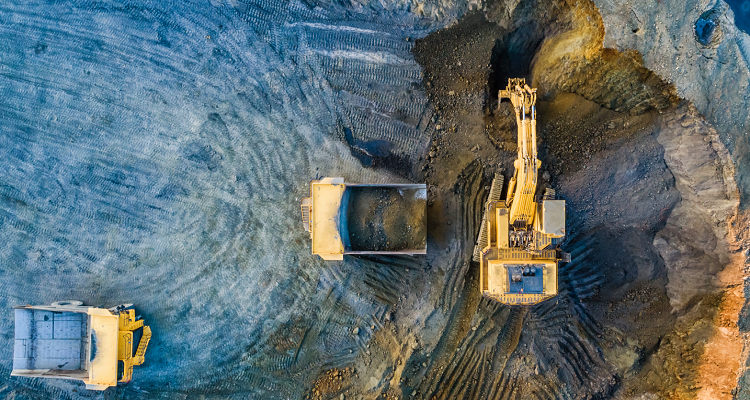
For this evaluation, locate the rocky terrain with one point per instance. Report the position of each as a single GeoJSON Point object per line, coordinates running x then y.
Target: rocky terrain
{"type": "Point", "coordinates": [156, 152]}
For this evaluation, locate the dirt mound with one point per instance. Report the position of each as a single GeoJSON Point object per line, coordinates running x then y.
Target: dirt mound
{"type": "Point", "coordinates": [385, 219]}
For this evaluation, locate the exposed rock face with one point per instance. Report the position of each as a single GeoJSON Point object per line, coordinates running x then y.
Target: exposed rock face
{"type": "Point", "coordinates": [656, 253]}
{"type": "Point", "coordinates": [694, 242]}
{"type": "Point", "coordinates": [696, 245]}
{"type": "Point", "coordinates": [576, 61]}
{"type": "Point", "coordinates": [695, 45]}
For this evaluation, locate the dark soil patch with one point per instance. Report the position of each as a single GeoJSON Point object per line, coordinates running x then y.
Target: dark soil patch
{"type": "Point", "coordinates": [621, 284]}
{"type": "Point", "coordinates": [385, 219]}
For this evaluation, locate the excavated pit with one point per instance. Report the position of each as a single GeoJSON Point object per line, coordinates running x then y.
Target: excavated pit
{"type": "Point", "coordinates": [633, 316]}
{"type": "Point", "coordinates": [156, 154]}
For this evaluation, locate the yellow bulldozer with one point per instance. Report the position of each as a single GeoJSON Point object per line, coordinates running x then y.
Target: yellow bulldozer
{"type": "Point", "coordinates": [67, 340]}
{"type": "Point", "coordinates": [519, 237]}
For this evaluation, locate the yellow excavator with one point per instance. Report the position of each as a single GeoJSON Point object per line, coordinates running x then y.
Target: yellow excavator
{"type": "Point", "coordinates": [518, 245]}
{"type": "Point", "coordinates": [67, 340]}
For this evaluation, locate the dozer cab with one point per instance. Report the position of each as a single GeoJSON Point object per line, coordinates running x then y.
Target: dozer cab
{"type": "Point", "coordinates": [67, 340]}
{"type": "Point", "coordinates": [379, 219]}
{"type": "Point", "coordinates": [519, 237]}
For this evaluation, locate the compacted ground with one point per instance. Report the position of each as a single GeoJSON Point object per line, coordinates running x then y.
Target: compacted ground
{"type": "Point", "coordinates": [155, 153]}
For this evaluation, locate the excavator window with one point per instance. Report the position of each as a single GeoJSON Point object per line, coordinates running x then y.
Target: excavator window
{"type": "Point", "coordinates": [525, 278]}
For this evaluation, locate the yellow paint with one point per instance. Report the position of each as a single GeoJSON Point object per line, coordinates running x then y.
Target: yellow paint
{"type": "Point", "coordinates": [103, 327]}
{"type": "Point", "coordinates": [326, 201]}
{"type": "Point", "coordinates": [127, 324]}
{"type": "Point", "coordinates": [110, 341]}
{"type": "Point", "coordinates": [140, 353]}
{"type": "Point", "coordinates": [502, 227]}
{"type": "Point", "coordinates": [525, 228]}
{"type": "Point", "coordinates": [124, 345]}
{"type": "Point", "coordinates": [521, 193]}
{"type": "Point", "coordinates": [127, 321]}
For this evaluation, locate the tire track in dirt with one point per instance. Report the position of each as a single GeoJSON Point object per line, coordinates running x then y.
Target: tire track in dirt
{"type": "Point", "coordinates": [549, 351]}
{"type": "Point", "coordinates": [459, 292]}
{"type": "Point", "coordinates": [199, 220]}
{"type": "Point", "coordinates": [470, 190]}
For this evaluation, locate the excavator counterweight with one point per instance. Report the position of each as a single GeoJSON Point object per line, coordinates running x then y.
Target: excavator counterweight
{"type": "Point", "coordinates": [518, 244]}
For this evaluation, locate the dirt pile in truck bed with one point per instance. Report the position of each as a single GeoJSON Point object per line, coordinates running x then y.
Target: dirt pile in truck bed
{"type": "Point", "coordinates": [385, 219]}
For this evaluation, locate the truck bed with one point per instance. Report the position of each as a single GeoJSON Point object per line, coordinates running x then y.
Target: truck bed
{"type": "Point", "coordinates": [49, 340]}
{"type": "Point", "coordinates": [384, 218]}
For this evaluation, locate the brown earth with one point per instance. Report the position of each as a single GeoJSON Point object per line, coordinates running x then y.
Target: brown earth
{"type": "Point", "coordinates": [604, 122]}
{"type": "Point", "coordinates": [649, 189]}
{"type": "Point", "coordinates": [332, 382]}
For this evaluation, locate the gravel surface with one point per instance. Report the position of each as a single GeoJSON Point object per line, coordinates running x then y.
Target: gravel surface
{"type": "Point", "coordinates": [155, 153]}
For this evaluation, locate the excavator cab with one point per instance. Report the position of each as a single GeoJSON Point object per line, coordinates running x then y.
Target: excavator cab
{"type": "Point", "coordinates": [518, 244]}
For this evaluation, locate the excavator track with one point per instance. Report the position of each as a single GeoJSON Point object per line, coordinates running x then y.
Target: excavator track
{"type": "Point", "coordinates": [495, 192]}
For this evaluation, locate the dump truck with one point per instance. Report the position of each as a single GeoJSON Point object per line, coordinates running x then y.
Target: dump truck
{"type": "Point", "coordinates": [344, 218]}
{"type": "Point", "coordinates": [518, 247]}
{"type": "Point", "coordinates": [67, 340]}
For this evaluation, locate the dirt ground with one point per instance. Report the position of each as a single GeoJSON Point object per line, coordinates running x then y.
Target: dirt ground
{"type": "Point", "coordinates": [156, 153]}
{"type": "Point", "coordinates": [627, 339]}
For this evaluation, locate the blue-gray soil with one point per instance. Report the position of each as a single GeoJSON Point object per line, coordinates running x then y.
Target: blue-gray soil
{"type": "Point", "coordinates": [155, 153]}
{"type": "Point", "coordinates": [741, 10]}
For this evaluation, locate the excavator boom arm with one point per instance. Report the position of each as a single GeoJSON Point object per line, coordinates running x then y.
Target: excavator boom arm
{"type": "Point", "coordinates": [518, 244]}
{"type": "Point", "coordinates": [521, 191]}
